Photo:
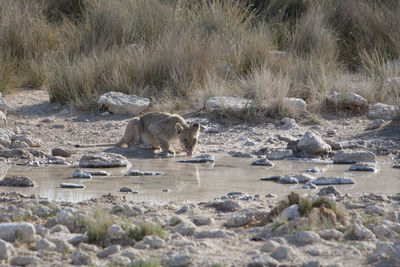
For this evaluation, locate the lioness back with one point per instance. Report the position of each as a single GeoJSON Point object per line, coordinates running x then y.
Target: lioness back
{"type": "Point", "coordinates": [158, 129]}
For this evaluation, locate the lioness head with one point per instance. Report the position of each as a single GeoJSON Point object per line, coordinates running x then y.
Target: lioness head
{"type": "Point", "coordinates": [188, 136]}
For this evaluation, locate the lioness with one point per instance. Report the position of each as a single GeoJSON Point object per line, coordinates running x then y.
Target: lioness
{"type": "Point", "coordinates": [158, 129]}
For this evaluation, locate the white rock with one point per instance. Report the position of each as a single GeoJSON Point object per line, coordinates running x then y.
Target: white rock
{"type": "Point", "coordinates": [11, 231]}
{"type": "Point", "coordinates": [263, 260]}
{"type": "Point", "coordinates": [82, 258]}
{"type": "Point", "coordinates": [360, 232]}
{"type": "Point", "coordinates": [214, 233]}
{"type": "Point", "coordinates": [154, 241]}
{"type": "Point", "coordinates": [180, 260]}
{"type": "Point", "coordinates": [332, 180]}
{"type": "Point", "coordinates": [283, 252]}
{"type": "Point", "coordinates": [185, 227]}
{"type": "Point", "coordinates": [304, 238]}
{"type": "Point", "coordinates": [352, 99]}
{"type": "Point", "coordinates": [238, 220]}
{"type": "Point", "coordinates": [5, 250]}
{"type": "Point", "coordinates": [287, 124]}
{"type": "Point", "coordinates": [103, 160]}
{"type": "Point", "coordinates": [227, 102]}
{"type": "Point", "coordinates": [131, 253]}
{"type": "Point", "coordinates": [109, 251]}
{"type": "Point", "coordinates": [62, 245]}
{"type": "Point", "coordinates": [291, 213]}
{"type": "Point", "coordinates": [375, 124]}
{"type": "Point", "coordinates": [120, 103]}
{"type": "Point", "coordinates": [329, 190]}
{"type": "Point", "coordinates": [364, 166]}
{"type": "Point", "coordinates": [269, 246]}
{"type": "Point", "coordinates": [80, 174]}
{"type": "Point", "coordinates": [278, 154]}
{"type": "Point", "coordinates": [4, 107]}
{"type": "Point", "coordinates": [329, 234]}
{"type": "Point", "coordinates": [295, 104]}
{"type": "Point", "coordinates": [115, 232]}
{"type": "Point", "coordinates": [288, 179]}
{"type": "Point", "coordinates": [313, 144]}
{"type": "Point", "coordinates": [382, 111]}
{"type": "Point", "coordinates": [65, 218]}
{"type": "Point", "coordinates": [44, 244]}
{"type": "Point", "coordinates": [5, 137]}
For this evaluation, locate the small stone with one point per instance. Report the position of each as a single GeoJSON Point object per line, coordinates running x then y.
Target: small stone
{"type": "Point", "coordinates": [82, 258]}
{"type": "Point", "coordinates": [126, 189]}
{"type": "Point", "coordinates": [44, 244]}
{"type": "Point", "coordinates": [263, 260]}
{"type": "Point", "coordinates": [316, 170]}
{"type": "Point", "coordinates": [61, 152]}
{"type": "Point", "coordinates": [359, 232]}
{"type": "Point", "coordinates": [115, 232]}
{"type": "Point", "coordinates": [62, 245]}
{"type": "Point", "coordinates": [119, 260]}
{"type": "Point", "coordinates": [333, 180]}
{"type": "Point", "coordinates": [103, 160]}
{"type": "Point", "coordinates": [120, 103]}
{"type": "Point", "coordinates": [311, 144]}
{"type": "Point", "coordinates": [154, 242]}
{"type": "Point", "coordinates": [24, 260]}
{"type": "Point", "coordinates": [329, 234]}
{"type": "Point", "coordinates": [69, 185]}
{"type": "Point", "coordinates": [288, 179]}
{"type": "Point", "coordinates": [227, 102]}
{"type": "Point", "coordinates": [59, 229]}
{"type": "Point", "coordinates": [143, 173]}
{"type": "Point", "coordinates": [303, 238]}
{"type": "Point", "coordinates": [180, 260]}
{"type": "Point", "coordinates": [204, 158]}
{"type": "Point", "coordinates": [329, 190]}
{"type": "Point", "coordinates": [238, 220]}
{"type": "Point", "coordinates": [274, 178]}
{"type": "Point", "coordinates": [182, 210]}
{"type": "Point", "coordinates": [291, 213]}
{"type": "Point", "coordinates": [279, 154]}
{"type": "Point", "coordinates": [375, 124]}
{"type": "Point", "coordinates": [227, 206]}
{"type": "Point", "coordinates": [364, 166]}
{"type": "Point", "coordinates": [262, 162]}
{"type": "Point", "coordinates": [269, 246]}
{"type": "Point", "coordinates": [200, 221]}
{"type": "Point", "coordinates": [185, 227]}
{"type": "Point", "coordinates": [282, 253]}
{"type": "Point", "coordinates": [98, 173]}
{"type": "Point", "coordinates": [131, 253]}
{"type": "Point", "coordinates": [382, 111]}
{"type": "Point", "coordinates": [80, 174]}
{"type": "Point", "coordinates": [109, 251]}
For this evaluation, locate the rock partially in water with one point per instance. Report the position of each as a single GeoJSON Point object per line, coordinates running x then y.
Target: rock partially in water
{"type": "Point", "coordinates": [69, 185]}
{"type": "Point", "coordinates": [346, 157]}
{"type": "Point", "coordinates": [57, 160]}
{"type": "Point", "coordinates": [329, 190]}
{"type": "Point", "coordinates": [98, 173]}
{"type": "Point", "coordinates": [364, 166]}
{"type": "Point", "coordinates": [312, 144]}
{"type": "Point", "coordinates": [262, 162]}
{"type": "Point", "coordinates": [273, 178]}
{"type": "Point", "coordinates": [303, 178]}
{"type": "Point", "coordinates": [143, 173]}
{"type": "Point", "coordinates": [103, 160]}
{"type": "Point", "coordinates": [126, 189]}
{"type": "Point", "coordinates": [279, 154]}
{"type": "Point", "coordinates": [288, 179]}
{"type": "Point", "coordinates": [22, 181]}
{"type": "Point", "coordinates": [80, 174]}
{"type": "Point", "coordinates": [240, 154]}
{"type": "Point", "coordinates": [396, 164]}
{"type": "Point", "coordinates": [120, 103]}
{"type": "Point", "coordinates": [333, 180]}
{"type": "Point", "coordinates": [204, 158]}
{"type": "Point", "coordinates": [316, 170]}
{"type": "Point", "coordinates": [375, 124]}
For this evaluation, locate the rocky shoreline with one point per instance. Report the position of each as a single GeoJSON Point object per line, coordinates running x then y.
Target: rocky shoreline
{"type": "Point", "coordinates": [320, 228]}
{"type": "Point", "coordinates": [230, 231]}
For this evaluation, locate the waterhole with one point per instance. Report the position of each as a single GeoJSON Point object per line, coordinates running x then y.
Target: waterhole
{"type": "Point", "coordinates": [199, 182]}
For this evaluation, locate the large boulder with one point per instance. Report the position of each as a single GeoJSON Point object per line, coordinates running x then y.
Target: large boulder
{"type": "Point", "coordinates": [312, 144]}
{"type": "Point", "coordinates": [345, 157]}
{"type": "Point", "coordinates": [5, 137]}
{"type": "Point", "coordinates": [21, 181]}
{"type": "Point", "coordinates": [103, 160]}
{"type": "Point", "coordinates": [21, 230]}
{"type": "Point", "coordinates": [350, 101]}
{"type": "Point", "coordinates": [227, 102]}
{"type": "Point", "coordinates": [120, 103]}
{"type": "Point", "coordinates": [382, 111]}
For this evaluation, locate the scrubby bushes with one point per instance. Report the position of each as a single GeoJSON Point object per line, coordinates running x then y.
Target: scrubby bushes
{"type": "Point", "coordinates": [180, 52]}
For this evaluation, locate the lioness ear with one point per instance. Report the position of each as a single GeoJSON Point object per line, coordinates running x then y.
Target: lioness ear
{"type": "Point", "coordinates": [178, 128]}
{"type": "Point", "coordinates": [196, 126]}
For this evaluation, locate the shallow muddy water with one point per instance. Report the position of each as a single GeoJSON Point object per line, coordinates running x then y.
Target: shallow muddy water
{"type": "Point", "coordinates": [188, 181]}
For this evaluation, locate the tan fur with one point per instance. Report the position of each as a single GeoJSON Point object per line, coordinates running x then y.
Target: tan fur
{"type": "Point", "coordinates": [158, 130]}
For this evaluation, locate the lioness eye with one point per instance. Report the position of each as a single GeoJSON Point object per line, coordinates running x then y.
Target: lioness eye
{"type": "Point", "coordinates": [194, 139]}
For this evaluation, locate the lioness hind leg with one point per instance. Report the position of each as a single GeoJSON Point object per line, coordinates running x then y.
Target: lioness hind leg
{"type": "Point", "coordinates": [132, 134]}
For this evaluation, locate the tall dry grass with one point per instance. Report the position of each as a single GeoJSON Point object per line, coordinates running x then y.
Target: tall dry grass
{"type": "Point", "coordinates": [178, 53]}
